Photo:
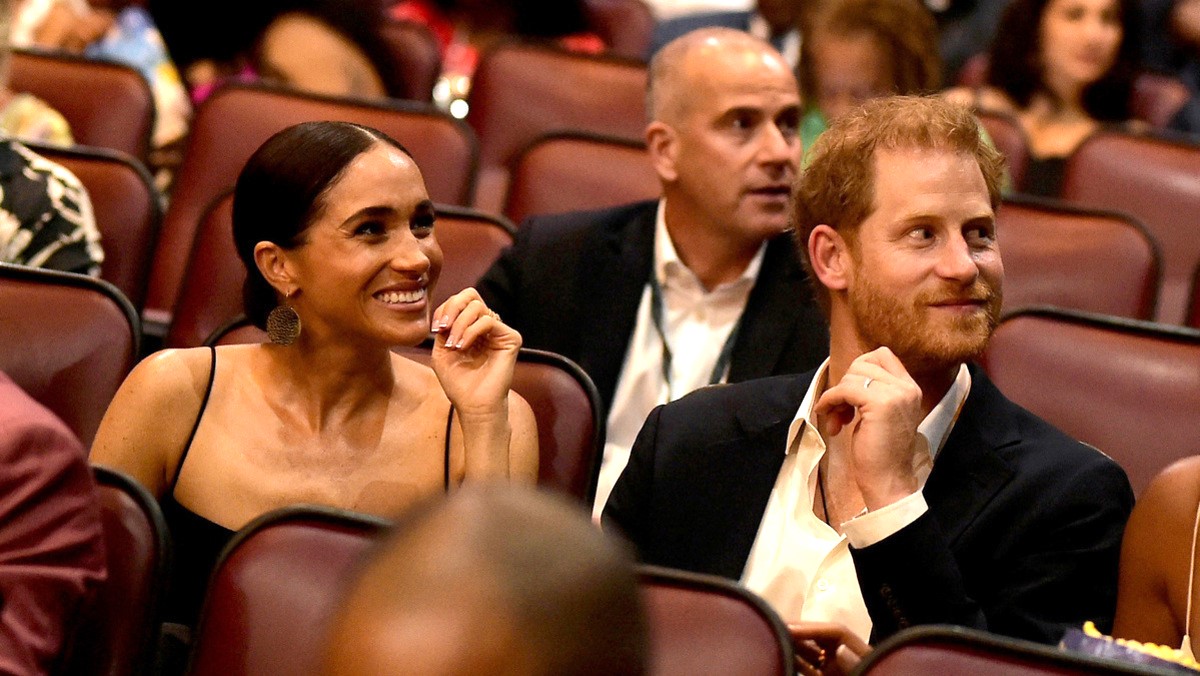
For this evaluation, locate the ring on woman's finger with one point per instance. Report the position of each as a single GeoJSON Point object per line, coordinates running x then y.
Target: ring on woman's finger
{"type": "Point", "coordinates": [867, 382]}
{"type": "Point", "coordinates": [495, 315]}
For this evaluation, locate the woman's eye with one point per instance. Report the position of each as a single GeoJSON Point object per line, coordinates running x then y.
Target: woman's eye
{"type": "Point", "coordinates": [369, 229]}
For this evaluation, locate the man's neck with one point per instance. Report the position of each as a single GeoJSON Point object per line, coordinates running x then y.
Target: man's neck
{"type": "Point", "coordinates": [715, 260]}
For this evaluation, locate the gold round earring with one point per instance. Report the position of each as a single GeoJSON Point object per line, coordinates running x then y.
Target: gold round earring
{"type": "Point", "coordinates": [283, 324]}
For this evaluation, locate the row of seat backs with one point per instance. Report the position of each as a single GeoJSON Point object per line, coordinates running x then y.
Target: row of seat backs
{"type": "Point", "coordinates": [277, 583]}
{"type": "Point", "coordinates": [279, 579]}
{"type": "Point", "coordinates": [943, 649]}
{"type": "Point", "coordinates": [1151, 177]}
{"type": "Point", "coordinates": [1105, 381]}
{"type": "Point", "coordinates": [107, 105]}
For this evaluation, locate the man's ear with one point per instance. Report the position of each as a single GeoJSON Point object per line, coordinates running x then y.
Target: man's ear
{"type": "Point", "coordinates": [662, 142]}
{"type": "Point", "coordinates": [829, 254]}
{"type": "Point", "coordinates": [273, 262]}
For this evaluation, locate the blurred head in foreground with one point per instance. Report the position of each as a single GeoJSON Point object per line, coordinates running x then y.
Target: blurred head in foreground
{"type": "Point", "coordinates": [494, 580]}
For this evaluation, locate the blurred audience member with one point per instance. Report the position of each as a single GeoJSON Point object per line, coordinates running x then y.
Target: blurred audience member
{"type": "Point", "coordinates": [492, 581]}
{"type": "Point", "coordinates": [860, 49]}
{"type": "Point", "coordinates": [52, 542]}
{"type": "Point", "coordinates": [658, 298]}
{"type": "Point", "coordinates": [1062, 67]}
{"type": "Point", "coordinates": [322, 46]}
{"type": "Point", "coordinates": [1171, 46]}
{"type": "Point", "coordinates": [465, 29]}
{"type": "Point", "coordinates": [22, 114]}
{"type": "Point", "coordinates": [126, 35]}
{"type": "Point", "coordinates": [337, 234]}
{"type": "Point", "coordinates": [777, 21]}
{"type": "Point", "coordinates": [46, 216]}
{"type": "Point", "coordinates": [1156, 595]}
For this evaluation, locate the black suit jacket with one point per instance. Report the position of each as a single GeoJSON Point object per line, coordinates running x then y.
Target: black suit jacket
{"type": "Point", "coordinates": [571, 283]}
{"type": "Point", "coordinates": [1022, 535]}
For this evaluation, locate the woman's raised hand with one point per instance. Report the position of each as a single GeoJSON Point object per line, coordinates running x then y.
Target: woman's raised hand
{"type": "Point", "coordinates": [474, 353]}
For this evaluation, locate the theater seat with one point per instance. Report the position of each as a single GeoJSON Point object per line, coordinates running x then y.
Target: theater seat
{"type": "Point", "coordinates": [108, 105]}
{"type": "Point", "coordinates": [702, 624]}
{"type": "Point", "coordinates": [1105, 381]}
{"type": "Point", "coordinates": [416, 56]}
{"type": "Point", "coordinates": [1155, 180]}
{"type": "Point", "coordinates": [522, 91]}
{"type": "Point", "coordinates": [577, 170]}
{"type": "Point", "coordinates": [936, 649]}
{"type": "Point", "coordinates": [127, 209]}
{"type": "Point", "coordinates": [1010, 139]}
{"type": "Point", "coordinates": [1057, 254]}
{"type": "Point", "coordinates": [273, 590]}
{"type": "Point", "coordinates": [68, 340]}
{"type": "Point", "coordinates": [626, 26]}
{"type": "Point", "coordinates": [118, 632]}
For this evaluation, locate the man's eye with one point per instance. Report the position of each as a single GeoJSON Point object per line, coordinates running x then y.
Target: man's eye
{"type": "Point", "coordinates": [423, 224]}
{"type": "Point", "coordinates": [921, 234]}
{"type": "Point", "coordinates": [980, 235]}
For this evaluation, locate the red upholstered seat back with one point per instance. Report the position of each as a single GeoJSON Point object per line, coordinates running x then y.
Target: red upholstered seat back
{"type": "Point", "coordinates": [1155, 180]}
{"type": "Point", "coordinates": [1104, 381]}
{"type": "Point", "coordinates": [274, 590]}
{"type": "Point", "coordinates": [1056, 254]}
{"type": "Point", "coordinates": [937, 649]}
{"type": "Point", "coordinates": [118, 634]}
{"type": "Point", "coordinates": [700, 624]}
{"type": "Point", "coordinates": [572, 171]}
{"type": "Point", "coordinates": [127, 209]}
{"type": "Point", "coordinates": [108, 105]}
{"type": "Point", "coordinates": [521, 92]}
{"type": "Point", "coordinates": [68, 340]}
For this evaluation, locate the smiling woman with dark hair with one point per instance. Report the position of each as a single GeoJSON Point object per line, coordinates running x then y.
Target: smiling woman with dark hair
{"type": "Point", "coordinates": [338, 236]}
{"type": "Point", "coordinates": [1063, 67]}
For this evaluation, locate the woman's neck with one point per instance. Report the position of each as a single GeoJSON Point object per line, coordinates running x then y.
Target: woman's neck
{"type": "Point", "coordinates": [331, 382]}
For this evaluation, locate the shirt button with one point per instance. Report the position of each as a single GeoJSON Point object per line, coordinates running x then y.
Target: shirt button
{"type": "Point", "coordinates": [822, 585]}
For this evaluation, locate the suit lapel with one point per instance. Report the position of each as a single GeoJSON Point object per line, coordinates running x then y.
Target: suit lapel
{"type": "Point", "coordinates": [770, 317]}
{"type": "Point", "coordinates": [614, 271]}
{"type": "Point", "coordinates": [969, 471]}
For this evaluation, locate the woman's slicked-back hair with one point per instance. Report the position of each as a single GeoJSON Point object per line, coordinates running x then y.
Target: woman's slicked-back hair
{"type": "Point", "coordinates": [280, 190]}
{"type": "Point", "coordinates": [1015, 60]}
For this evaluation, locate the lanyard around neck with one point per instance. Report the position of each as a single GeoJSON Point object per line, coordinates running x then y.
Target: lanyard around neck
{"type": "Point", "coordinates": [657, 316]}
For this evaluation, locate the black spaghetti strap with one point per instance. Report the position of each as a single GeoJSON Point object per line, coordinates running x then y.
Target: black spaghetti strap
{"type": "Point", "coordinates": [212, 374]}
{"type": "Point", "coordinates": [446, 452]}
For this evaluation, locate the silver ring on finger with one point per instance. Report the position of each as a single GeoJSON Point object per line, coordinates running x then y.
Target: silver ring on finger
{"type": "Point", "coordinates": [867, 382]}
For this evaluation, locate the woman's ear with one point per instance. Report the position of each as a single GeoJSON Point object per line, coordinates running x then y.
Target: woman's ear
{"type": "Point", "coordinates": [662, 142]}
{"type": "Point", "coordinates": [273, 262]}
{"type": "Point", "coordinates": [829, 254]}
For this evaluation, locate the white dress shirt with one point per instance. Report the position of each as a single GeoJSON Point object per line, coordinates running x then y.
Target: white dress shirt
{"type": "Point", "coordinates": [697, 324]}
{"type": "Point", "coordinates": [800, 564]}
